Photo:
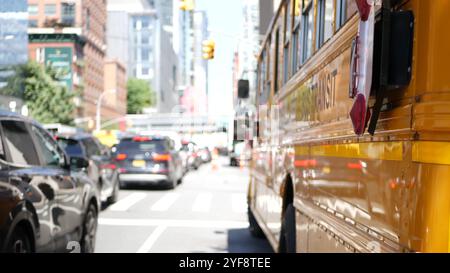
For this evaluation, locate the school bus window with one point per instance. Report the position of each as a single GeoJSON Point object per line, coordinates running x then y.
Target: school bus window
{"type": "Point", "coordinates": [288, 21]}
{"type": "Point", "coordinates": [268, 67]}
{"type": "Point", "coordinates": [277, 67]}
{"type": "Point", "coordinates": [324, 21]}
{"type": "Point", "coordinates": [295, 50]}
{"type": "Point", "coordinates": [351, 8]}
{"type": "Point", "coordinates": [297, 12]}
{"type": "Point", "coordinates": [286, 74]}
{"type": "Point", "coordinates": [262, 79]}
{"type": "Point", "coordinates": [295, 47]}
{"type": "Point", "coordinates": [341, 13]}
{"type": "Point", "coordinates": [307, 31]}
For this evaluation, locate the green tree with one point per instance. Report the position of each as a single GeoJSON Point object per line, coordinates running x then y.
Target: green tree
{"type": "Point", "coordinates": [46, 99]}
{"type": "Point", "coordinates": [139, 96]}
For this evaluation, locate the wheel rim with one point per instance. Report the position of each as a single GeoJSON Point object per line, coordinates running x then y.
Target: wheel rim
{"type": "Point", "coordinates": [19, 246]}
{"type": "Point", "coordinates": [90, 232]}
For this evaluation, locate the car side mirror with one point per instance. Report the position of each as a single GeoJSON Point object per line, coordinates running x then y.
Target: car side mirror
{"type": "Point", "coordinates": [78, 162]}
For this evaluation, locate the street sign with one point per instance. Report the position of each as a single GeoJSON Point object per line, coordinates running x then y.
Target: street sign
{"type": "Point", "coordinates": [60, 58]}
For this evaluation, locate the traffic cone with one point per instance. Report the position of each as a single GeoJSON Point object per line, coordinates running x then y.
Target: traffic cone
{"type": "Point", "coordinates": [214, 163]}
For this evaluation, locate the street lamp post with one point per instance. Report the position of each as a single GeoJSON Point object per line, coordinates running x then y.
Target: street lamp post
{"type": "Point", "coordinates": [99, 107]}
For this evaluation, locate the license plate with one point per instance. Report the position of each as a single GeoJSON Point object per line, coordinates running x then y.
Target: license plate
{"type": "Point", "coordinates": [139, 163]}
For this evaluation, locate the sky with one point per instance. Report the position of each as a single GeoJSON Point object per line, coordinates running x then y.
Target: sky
{"type": "Point", "coordinates": [225, 21]}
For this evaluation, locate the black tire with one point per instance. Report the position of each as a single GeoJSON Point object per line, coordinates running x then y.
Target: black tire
{"type": "Point", "coordinates": [115, 194]}
{"type": "Point", "coordinates": [180, 181]}
{"type": "Point", "coordinates": [254, 228]}
{"type": "Point", "coordinates": [288, 234]}
{"type": "Point", "coordinates": [90, 223]}
{"type": "Point", "coordinates": [19, 242]}
{"type": "Point", "coordinates": [172, 184]}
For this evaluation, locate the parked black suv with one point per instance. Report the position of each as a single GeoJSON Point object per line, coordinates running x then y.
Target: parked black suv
{"type": "Point", "coordinates": [101, 169]}
{"type": "Point", "coordinates": [46, 203]}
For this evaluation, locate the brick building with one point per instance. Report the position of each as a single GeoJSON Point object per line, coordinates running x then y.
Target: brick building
{"type": "Point", "coordinates": [75, 31]}
{"type": "Point", "coordinates": [115, 105]}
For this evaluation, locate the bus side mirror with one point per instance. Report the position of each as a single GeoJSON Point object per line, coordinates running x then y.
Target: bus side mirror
{"type": "Point", "coordinates": [243, 89]}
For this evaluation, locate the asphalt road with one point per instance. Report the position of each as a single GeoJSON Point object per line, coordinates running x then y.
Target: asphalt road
{"type": "Point", "coordinates": [205, 214]}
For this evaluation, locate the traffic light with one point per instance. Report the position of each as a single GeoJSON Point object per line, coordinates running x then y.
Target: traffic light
{"type": "Point", "coordinates": [187, 5]}
{"type": "Point", "coordinates": [208, 49]}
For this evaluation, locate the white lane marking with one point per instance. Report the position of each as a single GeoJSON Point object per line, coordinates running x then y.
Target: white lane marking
{"type": "Point", "coordinates": [128, 202]}
{"type": "Point", "coordinates": [202, 202]}
{"type": "Point", "coordinates": [173, 223]}
{"type": "Point", "coordinates": [239, 202]}
{"type": "Point", "coordinates": [151, 240]}
{"type": "Point", "coordinates": [165, 202]}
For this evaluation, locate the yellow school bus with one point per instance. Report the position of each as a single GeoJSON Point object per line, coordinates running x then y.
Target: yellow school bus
{"type": "Point", "coordinates": [331, 175]}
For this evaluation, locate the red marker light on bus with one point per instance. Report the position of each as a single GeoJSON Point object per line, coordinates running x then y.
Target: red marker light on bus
{"type": "Point", "coordinates": [364, 8]}
{"type": "Point", "coordinates": [359, 114]}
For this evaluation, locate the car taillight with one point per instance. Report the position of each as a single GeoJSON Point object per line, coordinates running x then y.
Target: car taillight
{"type": "Point", "coordinates": [108, 166]}
{"type": "Point", "coordinates": [364, 7]}
{"type": "Point", "coordinates": [141, 139]}
{"type": "Point", "coordinates": [162, 157]}
{"type": "Point", "coordinates": [121, 157]}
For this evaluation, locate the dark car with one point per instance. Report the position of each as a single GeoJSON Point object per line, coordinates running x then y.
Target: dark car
{"type": "Point", "coordinates": [193, 159]}
{"type": "Point", "coordinates": [205, 155]}
{"type": "Point", "coordinates": [148, 160]}
{"type": "Point", "coordinates": [101, 168]}
{"type": "Point", "coordinates": [46, 203]}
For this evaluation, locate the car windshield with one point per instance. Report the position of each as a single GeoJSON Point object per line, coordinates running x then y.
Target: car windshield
{"type": "Point", "coordinates": [132, 148]}
{"type": "Point", "coordinates": [71, 146]}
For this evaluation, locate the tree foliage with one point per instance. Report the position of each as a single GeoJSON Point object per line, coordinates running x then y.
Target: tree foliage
{"type": "Point", "coordinates": [139, 96]}
{"type": "Point", "coordinates": [46, 99]}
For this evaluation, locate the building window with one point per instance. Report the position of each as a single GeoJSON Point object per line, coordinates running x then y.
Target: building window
{"type": "Point", "coordinates": [145, 71]}
{"type": "Point", "coordinates": [50, 9]}
{"type": "Point", "coordinates": [33, 9]}
{"type": "Point", "coordinates": [87, 17]}
{"type": "Point", "coordinates": [68, 13]}
{"type": "Point", "coordinates": [145, 54]}
{"type": "Point", "coordinates": [324, 22]}
{"type": "Point", "coordinates": [32, 23]}
{"type": "Point", "coordinates": [307, 32]}
{"type": "Point", "coordinates": [145, 39]}
{"type": "Point", "coordinates": [145, 23]}
{"type": "Point", "coordinates": [341, 13]}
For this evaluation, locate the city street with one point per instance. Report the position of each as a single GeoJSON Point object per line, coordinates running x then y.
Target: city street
{"type": "Point", "coordinates": [205, 214]}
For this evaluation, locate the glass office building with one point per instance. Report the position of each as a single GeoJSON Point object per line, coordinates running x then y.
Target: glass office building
{"type": "Point", "coordinates": [13, 47]}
